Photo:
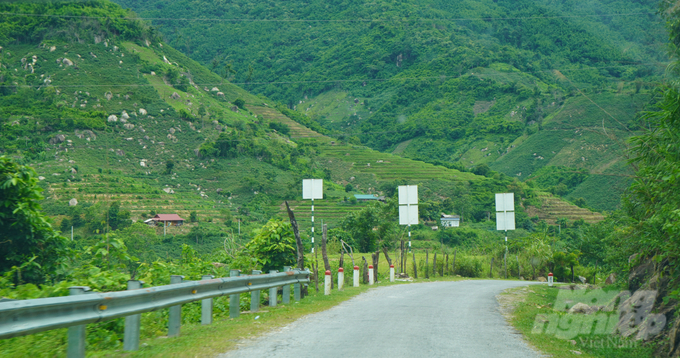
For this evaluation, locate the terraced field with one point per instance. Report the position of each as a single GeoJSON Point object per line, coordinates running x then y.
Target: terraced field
{"type": "Point", "coordinates": [553, 209]}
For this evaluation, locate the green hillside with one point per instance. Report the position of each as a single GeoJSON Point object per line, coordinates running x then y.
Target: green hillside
{"type": "Point", "coordinates": [455, 83]}
{"type": "Point", "coordinates": [110, 115]}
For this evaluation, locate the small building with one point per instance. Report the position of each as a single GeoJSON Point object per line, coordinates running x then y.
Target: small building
{"type": "Point", "coordinates": [450, 220]}
{"type": "Point", "coordinates": [369, 197]}
{"type": "Point", "coordinates": [168, 219]}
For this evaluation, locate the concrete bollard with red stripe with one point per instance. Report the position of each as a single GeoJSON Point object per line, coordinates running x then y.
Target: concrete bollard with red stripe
{"type": "Point", "coordinates": [356, 276]}
{"type": "Point", "coordinates": [341, 278]}
{"type": "Point", "coordinates": [391, 273]}
{"type": "Point", "coordinates": [550, 279]}
{"type": "Point", "coordinates": [327, 283]}
{"type": "Point", "coordinates": [370, 275]}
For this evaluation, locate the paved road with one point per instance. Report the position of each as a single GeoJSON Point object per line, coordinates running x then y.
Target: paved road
{"type": "Point", "coordinates": [436, 319]}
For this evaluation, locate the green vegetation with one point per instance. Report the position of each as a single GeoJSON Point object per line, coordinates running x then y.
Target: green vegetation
{"type": "Point", "coordinates": [534, 302]}
{"type": "Point", "coordinates": [516, 85]}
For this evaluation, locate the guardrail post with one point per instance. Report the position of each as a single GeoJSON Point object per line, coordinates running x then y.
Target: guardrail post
{"type": "Point", "coordinates": [285, 295]}
{"type": "Point", "coordinates": [76, 334]}
{"type": "Point", "coordinates": [234, 304]}
{"type": "Point", "coordinates": [356, 276]}
{"type": "Point", "coordinates": [132, 323]}
{"type": "Point", "coordinates": [175, 314]}
{"type": "Point", "coordinates": [273, 292]}
{"type": "Point", "coordinates": [327, 283]}
{"type": "Point", "coordinates": [391, 273]}
{"type": "Point", "coordinates": [341, 278]}
{"type": "Point", "coordinates": [371, 279]}
{"type": "Point", "coordinates": [297, 288]}
{"type": "Point", "coordinates": [206, 305]}
{"type": "Point", "coordinates": [255, 296]}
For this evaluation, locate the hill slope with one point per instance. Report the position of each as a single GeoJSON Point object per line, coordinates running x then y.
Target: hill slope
{"type": "Point", "coordinates": [438, 81]}
{"type": "Point", "coordinates": [110, 115]}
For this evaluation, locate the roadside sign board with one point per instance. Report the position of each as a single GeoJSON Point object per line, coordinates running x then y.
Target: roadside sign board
{"type": "Point", "coordinates": [312, 189]}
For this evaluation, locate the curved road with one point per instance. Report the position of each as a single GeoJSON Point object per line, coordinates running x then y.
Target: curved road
{"type": "Point", "coordinates": [436, 319]}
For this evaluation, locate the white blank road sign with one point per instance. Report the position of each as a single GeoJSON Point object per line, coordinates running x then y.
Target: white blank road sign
{"type": "Point", "coordinates": [505, 220]}
{"type": "Point", "coordinates": [312, 189]}
{"type": "Point", "coordinates": [408, 194]}
{"type": "Point", "coordinates": [505, 202]}
{"type": "Point", "coordinates": [408, 215]}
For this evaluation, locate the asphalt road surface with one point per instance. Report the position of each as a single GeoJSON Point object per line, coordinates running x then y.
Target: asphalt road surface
{"type": "Point", "coordinates": [436, 319]}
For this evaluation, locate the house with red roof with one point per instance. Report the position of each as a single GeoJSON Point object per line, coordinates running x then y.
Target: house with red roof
{"type": "Point", "coordinates": [167, 220]}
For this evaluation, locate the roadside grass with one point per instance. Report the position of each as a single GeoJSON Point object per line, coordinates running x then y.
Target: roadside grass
{"type": "Point", "coordinates": [529, 302]}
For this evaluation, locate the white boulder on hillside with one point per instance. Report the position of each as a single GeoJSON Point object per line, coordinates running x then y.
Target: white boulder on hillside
{"type": "Point", "coordinates": [142, 111]}
{"type": "Point", "coordinates": [113, 118]}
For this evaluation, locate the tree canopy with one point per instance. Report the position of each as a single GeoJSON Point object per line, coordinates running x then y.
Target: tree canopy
{"type": "Point", "coordinates": [26, 232]}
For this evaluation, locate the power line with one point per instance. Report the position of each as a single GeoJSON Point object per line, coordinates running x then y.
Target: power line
{"type": "Point", "coordinates": [333, 20]}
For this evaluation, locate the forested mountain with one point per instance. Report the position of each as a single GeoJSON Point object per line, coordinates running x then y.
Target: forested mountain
{"type": "Point", "coordinates": [126, 126]}
{"type": "Point", "coordinates": [515, 85]}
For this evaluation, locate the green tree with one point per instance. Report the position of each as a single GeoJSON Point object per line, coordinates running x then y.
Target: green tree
{"type": "Point", "coordinates": [348, 188]}
{"type": "Point", "coordinates": [273, 246]}
{"type": "Point", "coordinates": [374, 226]}
{"type": "Point", "coordinates": [138, 239]}
{"type": "Point", "coordinates": [26, 232]}
{"type": "Point", "coordinates": [169, 166]}
{"type": "Point", "coordinates": [240, 103]}
{"type": "Point", "coordinates": [117, 218]}
{"type": "Point", "coordinates": [193, 217]}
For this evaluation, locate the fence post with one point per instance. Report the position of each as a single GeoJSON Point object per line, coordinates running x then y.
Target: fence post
{"type": "Point", "coordinates": [391, 273]}
{"type": "Point", "coordinates": [255, 296]}
{"type": "Point", "coordinates": [206, 305]}
{"type": "Point", "coordinates": [370, 275]}
{"type": "Point", "coordinates": [234, 305]}
{"type": "Point", "coordinates": [285, 299]}
{"type": "Point", "coordinates": [175, 314]}
{"type": "Point", "coordinates": [76, 334]}
{"type": "Point", "coordinates": [341, 278]}
{"type": "Point", "coordinates": [273, 292]}
{"type": "Point", "coordinates": [356, 276]}
{"type": "Point", "coordinates": [296, 291]}
{"type": "Point", "coordinates": [327, 283]}
{"type": "Point", "coordinates": [132, 323]}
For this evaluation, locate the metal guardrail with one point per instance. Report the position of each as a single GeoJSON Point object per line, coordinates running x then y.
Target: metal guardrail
{"type": "Point", "coordinates": [24, 317]}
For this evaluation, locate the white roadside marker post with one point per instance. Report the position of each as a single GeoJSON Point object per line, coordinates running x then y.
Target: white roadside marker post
{"type": "Point", "coordinates": [327, 283]}
{"type": "Point", "coordinates": [391, 273]}
{"type": "Point", "coordinates": [341, 278]}
{"type": "Point", "coordinates": [550, 279]}
{"type": "Point", "coordinates": [370, 275]}
{"type": "Point", "coordinates": [356, 276]}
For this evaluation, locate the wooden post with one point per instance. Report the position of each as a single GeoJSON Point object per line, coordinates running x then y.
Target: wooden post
{"type": "Point", "coordinates": [415, 268]}
{"type": "Point", "coordinates": [453, 265]}
{"type": "Point", "coordinates": [572, 273]}
{"type": "Point", "coordinates": [446, 265]}
{"type": "Point", "coordinates": [491, 268]}
{"type": "Point", "coordinates": [434, 265]}
{"type": "Point", "coordinates": [376, 260]}
{"type": "Point", "coordinates": [519, 269]}
{"type": "Point", "coordinates": [402, 258]}
{"type": "Point", "coordinates": [300, 250]}
{"type": "Point", "coordinates": [387, 256]}
{"type": "Point", "coordinates": [365, 272]}
{"type": "Point", "coordinates": [427, 268]}
{"type": "Point", "coordinates": [324, 254]}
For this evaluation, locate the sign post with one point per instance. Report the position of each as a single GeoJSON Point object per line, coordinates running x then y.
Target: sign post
{"type": "Point", "coordinates": [312, 189]}
{"type": "Point", "coordinates": [408, 208]}
{"type": "Point", "coordinates": [505, 219]}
